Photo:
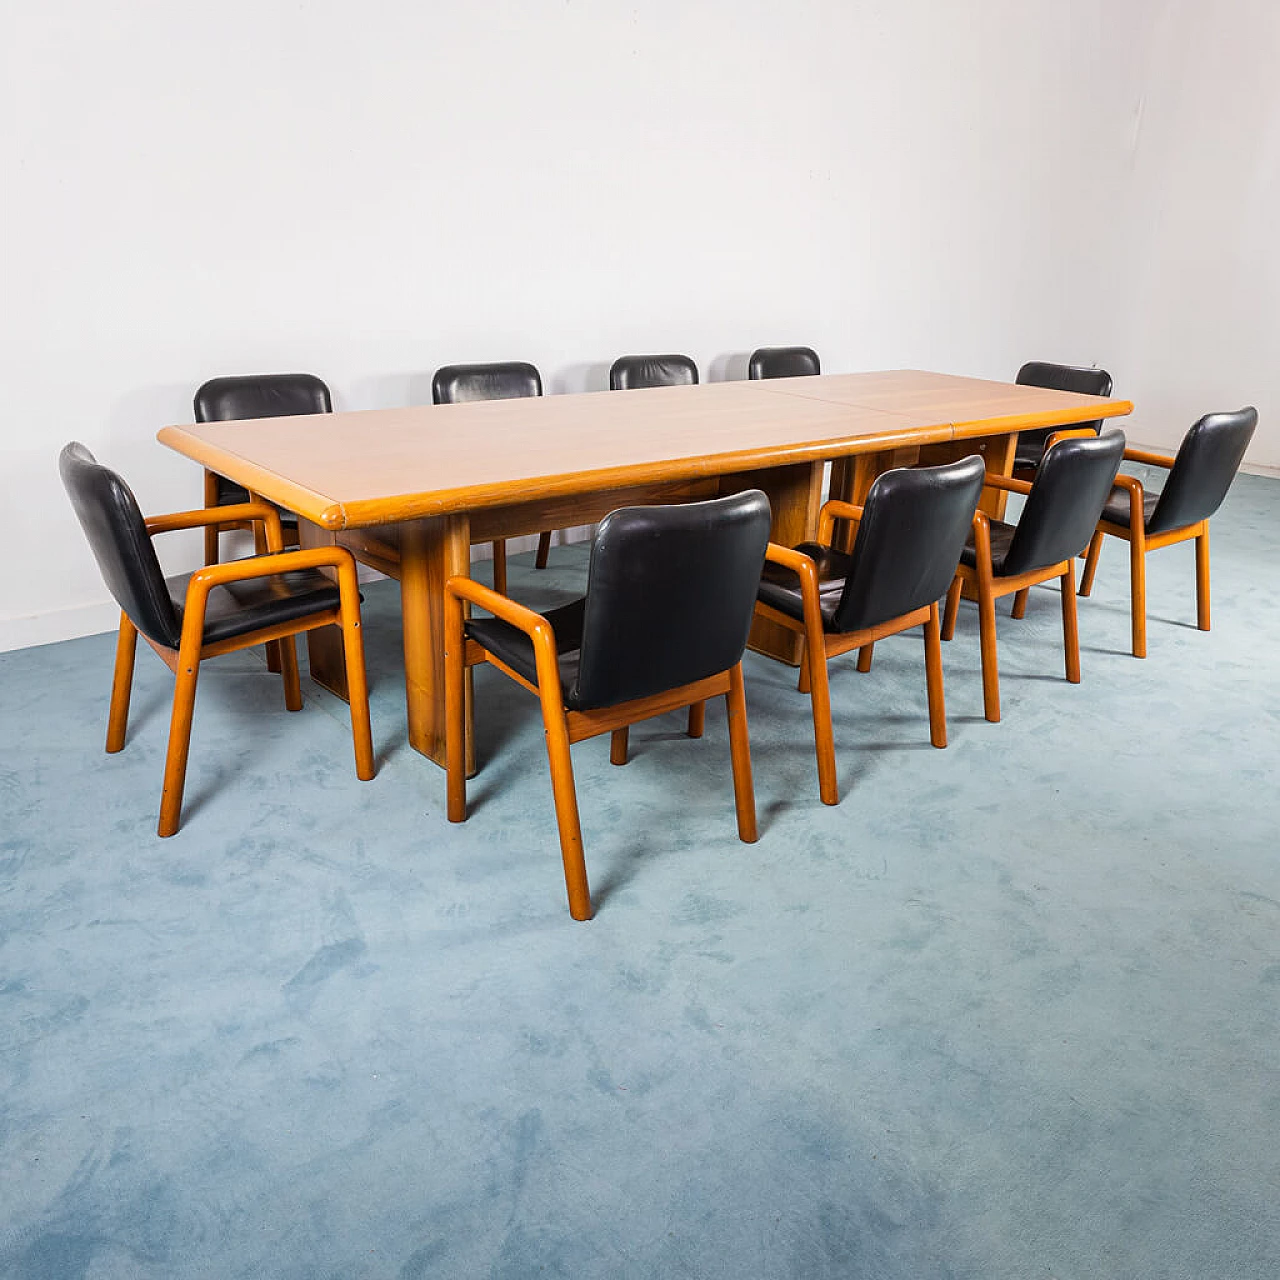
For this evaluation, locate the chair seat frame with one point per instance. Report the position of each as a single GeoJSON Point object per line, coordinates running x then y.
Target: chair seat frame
{"type": "Point", "coordinates": [818, 641]}
{"type": "Point", "coordinates": [1140, 542]}
{"type": "Point", "coordinates": [184, 661]}
{"type": "Point", "coordinates": [564, 727]}
{"type": "Point", "coordinates": [989, 588]}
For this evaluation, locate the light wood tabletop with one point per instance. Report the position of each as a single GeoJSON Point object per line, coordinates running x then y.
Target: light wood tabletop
{"type": "Point", "coordinates": [410, 489]}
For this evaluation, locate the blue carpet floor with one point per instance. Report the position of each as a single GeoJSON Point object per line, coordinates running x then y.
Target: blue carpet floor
{"type": "Point", "coordinates": [1009, 1010]}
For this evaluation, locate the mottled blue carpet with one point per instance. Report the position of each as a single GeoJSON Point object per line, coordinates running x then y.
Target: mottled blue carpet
{"type": "Point", "coordinates": [1010, 1010]}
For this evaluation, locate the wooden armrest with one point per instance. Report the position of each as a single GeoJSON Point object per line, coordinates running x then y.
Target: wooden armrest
{"type": "Point", "coordinates": [210, 515]}
{"type": "Point", "coordinates": [1008, 483]}
{"type": "Point", "coordinates": [1151, 459]}
{"type": "Point", "coordinates": [832, 510]}
{"type": "Point", "coordinates": [794, 560]}
{"type": "Point", "coordinates": [500, 606]}
{"type": "Point", "coordinates": [1068, 433]}
{"type": "Point", "coordinates": [214, 575]}
{"type": "Point", "coordinates": [262, 512]}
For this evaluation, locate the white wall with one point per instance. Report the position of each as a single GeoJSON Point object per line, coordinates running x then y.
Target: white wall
{"type": "Point", "coordinates": [370, 191]}
{"type": "Point", "coordinates": [1200, 297]}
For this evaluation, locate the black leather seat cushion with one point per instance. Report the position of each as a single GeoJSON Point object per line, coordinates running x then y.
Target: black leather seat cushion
{"type": "Point", "coordinates": [1117, 506]}
{"type": "Point", "coordinates": [780, 586]}
{"type": "Point", "coordinates": [511, 645]}
{"type": "Point", "coordinates": [237, 608]}
{"type": "Point", "coordinates": [1001, 537]}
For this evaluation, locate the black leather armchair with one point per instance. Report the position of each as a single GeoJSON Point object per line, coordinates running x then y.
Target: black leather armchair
{"type": "Point", "coordinates": [1058, 377]}
{"type": "Point", "coordinates": [1061, 510]}
{"type": "Point", "coordinates": [663, 625]}
{"type": "Point", "coordinates": [259, 395]}
{"type": "Point", "coordinates": [783, 362]}
{"type": "Point", "coordinates": [1199, 477]}
{"type": "Point", "coordinates": [909, 535]}
{"type": "Point", "coordinates": [499, 380]}
{"type": "Point", "coordinates": [264, 599]}
{"type": "Point", "coordinates": [629, 372]}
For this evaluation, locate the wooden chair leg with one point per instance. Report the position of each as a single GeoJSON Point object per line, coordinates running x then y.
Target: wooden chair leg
{"type": "Point", "coordinates": [1091, 562]}
{"type": "Point", "coordinates": [804, 683]}
{"type": "Point", "coordinates": [500, 566]}
{"type": "Point", "coordinates": [1070, 624]}
{"type": "Point", "coordinates": [287, 655]}
{"type": "Point", "coordinates": [933, 678]}
{"type": "Point", "coordinates": [455, 724]}
{"type": "Point", "coordinates": [697, 719]}
{"type": "Point", "coordinates": [1020, 598]}
{"type": "Point", "coordinates": [175, 765]}
{"type": "Point", "coordinates": [122, 684]}
{"type": "Point", "coordinates": [864, 657]}
{"type": "Point", "coordinates": [953, 608]}
{"type": "Point", "coordinates": [823, 734]}
{"type": "Point", "coordinates": [275, 663]}
{"type": "Point", "coordinates": [211, 544]}
{"type": "Point", "coordinates": [1202, 578]}
{"type": "Point", "coordinates": [618, 741]}
{"type": "Point", "coordinates": [744, 796]}
{"type": "Point", "coordinates": [1138, 596]}
{"type": "Point", "coordinates": [990, 662]}
{"type": "Point", "coordinates": [357, 675]}
{"type": "Point", "coordinates": [566, 802]}
{"type": "Point", "coordinates": [540, 560]}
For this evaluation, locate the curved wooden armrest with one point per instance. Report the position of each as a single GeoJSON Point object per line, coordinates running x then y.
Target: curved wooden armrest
{"type": "Point", "coordinates": [982, 540]}
{"type": "Point", "coordinates": [261, 512]}
{"type": "Point", "coordinates": [1068, 433]}
{"type": "Point", "coordinates": [532, 624]}
{"type": "Point", "coordinates": [1008, 483]}
{"type": "Point", "coordinates": [1137, 516]}
{"type": "Point", "coordinates": [797, 561]}
{"type": "Point", "coordinates": [832, 510]}
{"type": "Point", "coordinates": [274, 562]}
{"type": "Point", "coordinates": [1151, 459]}
{"type": "Point", "coordinates": [210, 515]}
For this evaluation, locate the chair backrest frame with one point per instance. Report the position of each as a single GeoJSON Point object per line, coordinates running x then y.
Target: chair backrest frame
{"type": "Point", "coordinates": [670, 596]}
{"type": "Point", "coordinates": [783, 362]}
{"type": "Point", "coordinates": [495, 380]}
{"type": "Point", "coordinates": [1061, 512]}
{"type": "Point", "coordinates": [627, 373]}
{"type": "Point", "coordinates": [1084, 379]}
{"type": "Point", "coordinates": [1206, 463]}
{"type": "Point", "coordinates": [117, 533]}
{"type": "Point", "coordinates": [913, 529]}
{"type": "Point", "coordinates": [261, 395]}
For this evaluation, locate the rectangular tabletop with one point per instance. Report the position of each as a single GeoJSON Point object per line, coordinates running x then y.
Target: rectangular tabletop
{"type": "Point", "coordinates": [348, 470]}
{"type": "Point", "coordinates": [444, 474]}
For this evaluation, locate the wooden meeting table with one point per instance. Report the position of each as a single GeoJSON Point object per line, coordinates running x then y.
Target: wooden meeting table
{"type": "Point", "coordinates": [409, 490]}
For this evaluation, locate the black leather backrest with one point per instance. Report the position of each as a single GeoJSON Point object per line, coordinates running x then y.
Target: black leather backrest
{"type": "Point", "coordinates": [670, 596]}
{"type": "Point", "coordinates": [914, 523]}
{"type": "Point", "coordinates": [628, 372]}
{"type": "Point", "coordinates": [1207, 462]}
{"type": "Point", "coordinates": [261, 395]}
{"type": "Point", "coordinates": [502, 380]}
{"type": "Point", "coordinates": [1072, 483]}
{"type": "Point", "coordinates": [108, 512]}
{"type": "Point", "coordinates": [783, 362]}
{"type": "Point", "coordinates": [1086, 381]}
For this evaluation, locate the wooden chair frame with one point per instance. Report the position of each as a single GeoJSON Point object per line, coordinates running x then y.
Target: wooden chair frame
{"type": "Point", "coordinates": [989, 589]}
{"type": "Point", "coordinates": [565, 727]}
{"type": "Point", "coordinates": [813, 674]}
{"type": "Point", "coordinates": [185, 660]}
{"type": "Point", "coordinates": [1140, 542]}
